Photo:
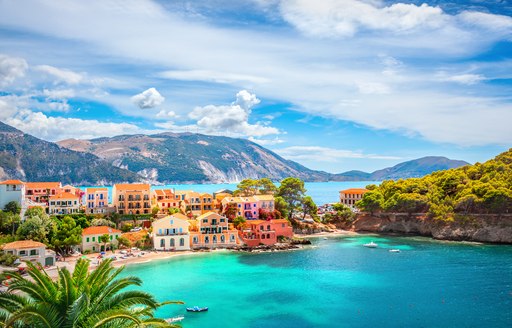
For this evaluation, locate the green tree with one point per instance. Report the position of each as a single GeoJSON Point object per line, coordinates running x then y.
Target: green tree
{"type": "Point", "coordinates": [8, 222]}
{"type": "Point", "coordinates": [372, 201]}
{"type": "Point", "coordinates": [13, 207]}
{"type": "Point", "coordinates": [102, 222]}
{"type": "Point", "coordinates": [81, 299]}
{"type": "Point", "coordinates": [309, 207]}
{"type": "Point", "coordinates": [105, 239]}
{"type": "Point", "coordinates": [155, 210]}
{"type": "Point", "coordinates": [38, 227]}
{"type": "Point", "coordinates": [239, 221]}
{"type": "Point", "coordinates": [230, 210]}
{"type": "Point", "coordinates": [266, 186]}
{"type": "Point", "coordinates": [281, 206]}
{"type": "Point", "coordinates": [173, 210]}
{"type": "Point", "coordinates": [35, 211]}
{"type": "Point", "coordinates": [67, 234]}
{"type": "Point", "coordinates": [247, 187]}
{"type": "Point", "coordinates": [292, 191]}
{"type": "Point", "coordinates": [123, 242]}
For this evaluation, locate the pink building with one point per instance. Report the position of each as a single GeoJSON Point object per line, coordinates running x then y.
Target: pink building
{"type": "Point", "coordinates": [258, 232]}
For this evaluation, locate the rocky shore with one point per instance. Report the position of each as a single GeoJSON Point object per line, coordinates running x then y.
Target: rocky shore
{"type": "Point", "coordinates": [475, 228]}
{"type": "Point", "coordinates": [296, 243]}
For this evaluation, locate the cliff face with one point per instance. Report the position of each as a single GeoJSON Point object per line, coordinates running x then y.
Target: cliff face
{"type": "Point", "coordinates": [479, 228]}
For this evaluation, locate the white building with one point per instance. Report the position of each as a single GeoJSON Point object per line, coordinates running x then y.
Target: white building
{"type": "Point", "coordinates": [29, 250]}
{"type": "Point", "coordinates": [171, 233]}
{"type": "Point", "coordinates": [91, 238]}
{"type": "Point", "coordinates": [64, 203]}
{"type": "Point", "coordinates": [12, 190]}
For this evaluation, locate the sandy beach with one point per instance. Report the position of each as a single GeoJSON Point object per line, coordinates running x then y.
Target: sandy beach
{"type": "Point", "coordinates": [335, 233]}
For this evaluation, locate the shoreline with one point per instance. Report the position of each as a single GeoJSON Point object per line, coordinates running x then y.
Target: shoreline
{"type": "Point", "coordinates": [335, 233]}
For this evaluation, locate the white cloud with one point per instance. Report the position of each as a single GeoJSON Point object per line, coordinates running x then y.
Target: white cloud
{"type": "Point", "coordinates": [488, 21]}
{"type": "Point", "coordinates": [231, 118]}
{"type": "Point", "coordinates": [166, 114]}
{"type": "Point", "coordinates": [60, 75]}
{"type": "Point", "coordinates": [55, 94]}
{"type": "Point", "coordinates": [59, 106]}
{"type": "Point", "coordinates": [267, 142]}
{"type": "Point", "coordinates": [372, 88]}
{"type": "Point", "coordinates": [326, 154]}
{"type": "Point", "coordinates": [467, 79]}
{"type": "Point", "coordinates": [58, 128]}
{"type": "Point", "coordinates": [211, 76]}
{"type": "Point", "coordinates": [148, 99]}
{"type": "Point", "coordinates": [11, 68]}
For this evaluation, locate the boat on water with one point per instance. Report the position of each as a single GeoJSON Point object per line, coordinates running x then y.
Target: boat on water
{"type": "Point", "coordinates": [394, 251]}
{"type": "Point", "coordinates": [197, 309]}
{"type": "Point", "coordinates": [175, 319]}
{"type": "Point", "coordinates": [371, 245]}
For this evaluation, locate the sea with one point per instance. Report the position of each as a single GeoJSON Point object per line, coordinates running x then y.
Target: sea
{"type": "Point", "coordinates": [336, 282]}
{"type": "Point", "coordinates": [321, 192]}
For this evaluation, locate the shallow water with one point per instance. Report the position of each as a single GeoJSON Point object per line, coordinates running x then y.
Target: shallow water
{"type": "Point", "coordinates": [339, 283]}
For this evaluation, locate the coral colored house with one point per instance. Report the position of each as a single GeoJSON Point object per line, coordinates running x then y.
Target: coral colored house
{"type": "Point", "coordinates": [256, 232]}
{"type": "Point", "coordinates": [40, 192]}
{"type": "Point", "coordinates": [165, 199]}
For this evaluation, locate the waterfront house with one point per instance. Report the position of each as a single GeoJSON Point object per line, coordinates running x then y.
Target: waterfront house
{"type": "Point", "coordinates": [165, 199]}
{"type": "Point", "coordinates": [96, 201]}
{"type": "Point", "coordinates": [64, 203]}
{"type": "Point", "coordinates": [91, 238]}
{"type": "Point", "coordinates": [197, 203]}
{"type": "Point", "coordinates": [39, 193]}
{"type": "Point", "coordinates": [246, 207]}
{"type": "Point", "coordinates": [132, 198]}
{"type": "Point", "coordinates": [258, 232]}
{"type": "Point", "coordinates": [171, 233]}
{"type": "Point", "coordinates": [349, 197]}
{"type": "Point", "coordinates": [29, 250]}
{"type": "Point", "coordinates": [212, 231]}
{"type": "Point", "coordinates": [12, 191]}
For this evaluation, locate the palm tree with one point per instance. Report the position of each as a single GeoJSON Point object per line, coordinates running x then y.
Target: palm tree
{"type": "Point", "coordinates": [83, 299]}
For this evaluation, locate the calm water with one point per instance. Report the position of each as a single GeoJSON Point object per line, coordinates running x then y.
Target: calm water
{"type": "Point", "coordinates": [339, 283]}
{"type": "Point", "coordinates": [321, 192]}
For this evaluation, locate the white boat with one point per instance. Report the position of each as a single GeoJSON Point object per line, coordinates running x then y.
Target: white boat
{"type": "Point", "coordinates": [371, 245]}
{"type": "Point", "coordinates": [394, 251]}
{"type": "Point", "coordinates": [175, 319]}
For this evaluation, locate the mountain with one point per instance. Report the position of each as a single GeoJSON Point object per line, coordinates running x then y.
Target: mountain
{"type": "Point", "coordinates": [416, 168]}
{"type": "Point", "coordinates": [411, 169]}
{"type": "Point", "coordinates": [187, 157]}
{"type": "Point", "coordinates": [27, 158]}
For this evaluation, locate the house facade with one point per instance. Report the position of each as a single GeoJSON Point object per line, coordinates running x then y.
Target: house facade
{"type": "Point", "coordinates": [165, 199]}
{"type": "Point", "coordinates": [40, 192]}
{"type": "Point", "coordinates": [91, 238]}
{"type": "Point", "coordinates": [213, 230]}
{"type": "Point", "coordinates": [132, 198]}
{"type": "Point", "coordinates": [171, 233]}
{"type": "Point", "coordinates": [257, 232]}
{"type": "Point", "coordinates": [64, 203]}
{"type": "Point", "coordinates": [198, 203]}
{"type": "Point", "coordinates": [12, 191]}
{"type": "Point", "coordinates": [349, 197]}
{"type": "Point", "coordinates": [96, 201]}
{"type": "Point", "coordinates": [29, 250]}
{"type": "Point", "coordinates": [246, 207]}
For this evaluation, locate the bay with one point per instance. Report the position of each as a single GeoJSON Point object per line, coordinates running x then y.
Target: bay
{"type": "Point", "coordinates": [339, 283]}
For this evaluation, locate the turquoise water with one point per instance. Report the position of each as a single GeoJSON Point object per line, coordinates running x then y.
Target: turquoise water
{"type": "Point", "coordinates": [339, 283]}
{"type": "Point", "coordinates": [321, 192]}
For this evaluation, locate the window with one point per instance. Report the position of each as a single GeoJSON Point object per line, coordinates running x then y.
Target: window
{"type": "Point", "coordinates": [268, 227]}
{"type": "Point", "coordinates": [159, 231]}
{"type": "Point", "coordinates": [111, 237]}
{"type": "Point", "coordinates": [93, 248]}
{"type": "Point", "coordinates": [194, 240]}
{"type": "Point", "coordinates": [23, 253]}
{"type": "Point", "coordinates": [172, 242]}
{"type": "Point", "coordinates": [253, 205]}
{"type": "Point", "coordinates": [162, 243]}
{"type": "Point", "coordinates": [282, 225]}
{"type": "Point", "coordinates": [214, 239]}
{"type": "Point", "coordinates": [263, 236]}
{"type": "Point", "coordinates": [205, 220]}
{"type": "Point", "coordinates": [87, 239]}
{"type": "Point", "coordinates": [181, 230]}
{"type": "Point", "coordinates": [268, 236]}
{"type": "Point", "coordinates": [172, 221]}
{"type": "Point", "coordinates": [222, 239]}
{"type": "Point", "coordinates": [206, 240]}
{"type": "Point", "coordinates": [222, 220]}
{"type": "Point", "coordinates": [182, 241]}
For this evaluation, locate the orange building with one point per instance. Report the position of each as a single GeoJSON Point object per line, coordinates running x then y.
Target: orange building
{"type": "Point", "coordinates": [165, 199]}
{"type": "Point", "coordinates": [212, 230]}
{"type": "Point", "coordinates": [40, 192]}
{"type": "Point", "coordinates": [64, 203]}
{"type": "Point", "coordinates": [256, 232]}
{"type": "Point", "coordinates": [96, 201]}
{"type": "Point", "coordinates": [132, 198]}
{"type": "Point", "coordinates": [198, 203]}
{"type": "Point", "coordinates": [349, 197]}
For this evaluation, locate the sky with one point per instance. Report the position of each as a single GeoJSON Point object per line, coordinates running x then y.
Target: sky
{"type": "Point", "coordinates": [335, 85]}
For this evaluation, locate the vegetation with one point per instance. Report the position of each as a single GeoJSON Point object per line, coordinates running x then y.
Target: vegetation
{"type": "Point", "coordinates": [250, 187]}
{"type": "Point", "coordinates": [7, 259]}
{"type": "Point", "coordinates": [309, 207]}
{"type": "Point", "coordinates": [37, 226]}
{"type": "Point", "coordinates": [67, 234]}
{"type": "Point", "coordinates": [102, 222]}
{"type": "Point", "coordinates": [239, 221]}
{"type": "Point", "coordinates": [473, 189]}
{"type": "Point", "coordinates": [124, 242]}
{"type": "Point", "coordinates": [292, 191]}
{"type": "Point", "coordinates": [342, 214]}
{"type": "Point", "coordinates": [9, 222]}
{"type": "Point", "coordinates": [13, 207]}
{"type": "Point", "coordinates": [82, 299]}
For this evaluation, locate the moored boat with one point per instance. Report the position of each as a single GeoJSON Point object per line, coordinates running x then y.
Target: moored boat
{"type": "Point", "coordinates": [394, 251]}
{"type": "Point", "coordinates": [197, 309]}
{"type": "Point", "coordinates": [371, 245]}
{"type": "Point", "coordinates": [175, 319]}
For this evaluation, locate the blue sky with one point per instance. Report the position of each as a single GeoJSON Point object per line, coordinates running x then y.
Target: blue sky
{"type": "Point", "coordinates": [333, 84]}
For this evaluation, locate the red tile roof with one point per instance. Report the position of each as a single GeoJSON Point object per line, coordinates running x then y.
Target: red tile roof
{"type": "Point", "coordinates": [64, 195]}
{"type": "Point", "coordinates": [354, 191]}
{"type": "Point", "coordinates": [13, 182]}
{"type": "Point", "coordinates": [42, 185]}
{"type": "Point", "coordinates": [132, 186]}
{"type": "Point", "coordinates": [23, 244]}
{"type": "Point", "coordinates": [99, 230]}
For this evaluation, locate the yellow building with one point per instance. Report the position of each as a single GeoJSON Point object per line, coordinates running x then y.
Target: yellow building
{"type": "Point", "coordinates": [212, 230]}
{"type": "Point", "coordinates": [132, 198]}
{"type": "Point", "coordinates": [349, 197]}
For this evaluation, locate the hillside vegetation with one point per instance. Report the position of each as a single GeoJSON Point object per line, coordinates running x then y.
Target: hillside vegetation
{"type": "Point", "coordinates": [472, 189]}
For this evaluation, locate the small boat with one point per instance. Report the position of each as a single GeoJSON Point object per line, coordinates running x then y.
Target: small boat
{"type": "Point", "coordinates": [175, 319]}
{"type": "Point", "coordinates": [371, 245]}
{"type": "Point", "coordinates": [325, 238]}
{"type": "Point", "coordinates": [394, 251]}
{"type": "Point", "coordinates": [197, 309]}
